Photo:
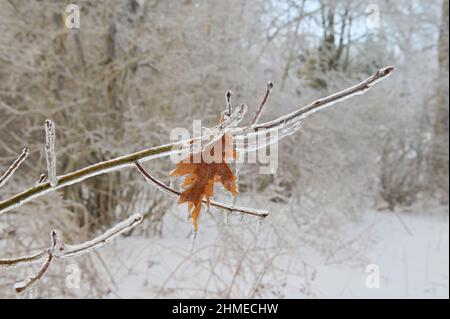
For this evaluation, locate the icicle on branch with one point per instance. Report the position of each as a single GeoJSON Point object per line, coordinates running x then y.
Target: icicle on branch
{"type": "Point", "coordinates": [287, 125]}
{"type": "Point", "coordinates": [228, 208]}
{"type": "Point", "coordinates": [50, 152]}
{"type": "Point", "coordinates": [14, 166]}
{"type": "Point", "coordinates": [59, 250]}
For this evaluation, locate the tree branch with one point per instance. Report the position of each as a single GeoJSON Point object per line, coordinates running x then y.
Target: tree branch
{"type": "Point", "coordinates": [165, 150]}
{"type": "Point", "coordinates": [160, 185]}
{"type": "Point", "coordinates": [59, 250]}
{"type": "Point", "coordinates": [228, 95]}
{"type": "Point", "coordinates": [50, 152]}
{"type": "Point", "coordinates": [255, 120]}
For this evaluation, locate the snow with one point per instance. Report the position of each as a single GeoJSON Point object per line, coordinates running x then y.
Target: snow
{"type": "Point", "coordinates": [250, 264]}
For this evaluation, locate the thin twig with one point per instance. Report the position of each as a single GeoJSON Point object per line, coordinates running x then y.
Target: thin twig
{"type": "Point", "coordinates": [50, 151]}
{"type": "Point", "coordinates": [169, 190]}
{"type": "Point", "coordinates": [330, 100]}
{"type": "Point", "coordinates": [228, 95]}
{"type": "Point", "coordinates": [403, 223]}
{"type": "Point", "coordinates": [29, 281]}
{"type": "Point", "coordinates": [255, 120]}
{"type": "Point", "coordinates": [234, 118]}
{"type": "Point", "coordinates": [14, 166]}
{"type": "Point", "coordinates": [41, 179]}
{"type": "Point", "coordinates": [97, 242]}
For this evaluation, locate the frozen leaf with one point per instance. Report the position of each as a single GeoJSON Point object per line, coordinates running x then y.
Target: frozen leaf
{"type": "Point", "coordinates": [202, 170]}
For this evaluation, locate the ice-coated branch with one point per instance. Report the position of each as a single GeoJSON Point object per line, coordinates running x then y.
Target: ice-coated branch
{"type": "Point", "coordinates": [67, 251]}
{"type": "Point", "coordinates": [255, 120]}
{"type": "Point", "coordinates": [286, 124]}
{"type": "Point", "coordinates": [23, 261]}
{"type": "Point", "coordinates": [234, 118]}
{"type": "Point", "coordinates": [330, 100]}
{"type": "Point", "coordinates": [50, 152]}
{"type": "Point", "coordinates": [59, 250]}
{"type": "Point", "coordinates": [228, 208]}
{"type": "Point", "coordinates": [228, 95]}
{"type": "Point", "coordinates": [14, 166]}
{"type": "Point", "coordinates": [30, 280]}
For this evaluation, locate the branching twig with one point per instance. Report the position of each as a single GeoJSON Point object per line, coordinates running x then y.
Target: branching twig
{"type": "Point", "coordinates": [23, 261]}
{"type": "Point", "coordinates": [330, 100]}
{"type": "Point", "coordinates": [30, 280]}
{"type": "Point", "coordinates": [255, 120]}
{"type": "Point", "coordinates": [86, 247]}
{"type": "Point", "coordinates": [14, 166]}
{"type": "Point", "coordinates": [286, 125]}
{"type": "Point", "coordinates": [160, 185]}
{"type": "Point", "coordinates": [59, 250]}
{"type": "Point", "coordinates": [41, 179]}
{"type": "Point", "coordinates": [50, 152]}
{"type": "Point", "coordinates": [291, 119]}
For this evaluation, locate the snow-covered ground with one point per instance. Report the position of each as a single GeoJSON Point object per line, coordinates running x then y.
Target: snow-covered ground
{"type": "Point", "coordinates": [236, 261]}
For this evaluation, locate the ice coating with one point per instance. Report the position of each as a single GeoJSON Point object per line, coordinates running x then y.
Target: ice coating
{"type": "Point", "coordinates": [286, 125]}
{"type": "Point", "coordinates": [86, 247]}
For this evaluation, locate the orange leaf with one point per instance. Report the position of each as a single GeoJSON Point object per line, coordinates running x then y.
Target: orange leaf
{"type": "Point", "coordinates": [202, 171]}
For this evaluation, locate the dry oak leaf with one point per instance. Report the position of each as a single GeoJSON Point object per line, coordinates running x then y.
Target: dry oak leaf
{"type": "Point", "coordinates": [203, 169]}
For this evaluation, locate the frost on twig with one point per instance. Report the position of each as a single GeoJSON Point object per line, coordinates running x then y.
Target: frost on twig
{"type": "Point", "coordinates": [50, 152]}
{"type": "Point", "coordinates": [67, 251]}
{"type": "Point", "coordinates": [59, 250]}
{"type": "Point", "coordinates": [228, 95]}
{"type": "Point", "coordinates": [328, 101]}
{"type": "Point", "coordinates": [30, 280]}
{"type": "Point", "coordinates": [244, 138]}
{"type": "Point", "coordinates": [227, 208]}
{"type": "Point", "coordinates": [14, 166]}
{"type": "Point", "coordinates": [283, 126]}
{"type": "Point", "coordinates": [23, 261]}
